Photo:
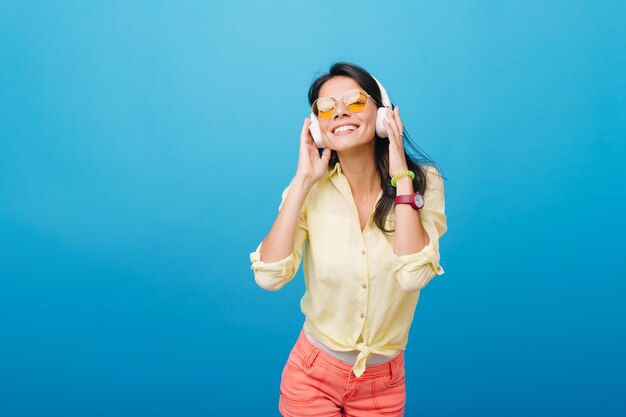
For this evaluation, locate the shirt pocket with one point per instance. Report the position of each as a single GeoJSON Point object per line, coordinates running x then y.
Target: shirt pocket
{"type": "Point", "coordinates": [328, 238]}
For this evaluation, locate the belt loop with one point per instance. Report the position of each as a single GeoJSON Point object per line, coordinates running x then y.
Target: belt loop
{"type": "Point", "coordinates": [393, 369]}
{"type": "Point", "coordinates": [310, 356]}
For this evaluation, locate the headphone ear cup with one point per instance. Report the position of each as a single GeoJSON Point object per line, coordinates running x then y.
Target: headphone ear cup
{"type": "Point", "coordinates": [381, 130]}
{"type": "Point", "coordinates": [314, 128]}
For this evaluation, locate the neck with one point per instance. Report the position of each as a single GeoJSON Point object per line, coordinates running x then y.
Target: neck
{"type": "Point", "coordinates": [359, 169]}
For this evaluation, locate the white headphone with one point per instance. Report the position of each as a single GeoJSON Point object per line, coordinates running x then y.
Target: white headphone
{"type": "Point", "coordinates": [381, 131]}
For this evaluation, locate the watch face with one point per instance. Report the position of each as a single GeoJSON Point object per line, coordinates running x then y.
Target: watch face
{"type": "Point", "coordinates": [419, 200]}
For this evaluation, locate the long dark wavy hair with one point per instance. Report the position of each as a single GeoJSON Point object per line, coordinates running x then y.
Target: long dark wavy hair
{"type": "Point", "coordinates": [416, 158]}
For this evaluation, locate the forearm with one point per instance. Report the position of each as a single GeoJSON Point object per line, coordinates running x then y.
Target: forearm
{"type": "Point", "coordinates": [410, 235]}
{"type": "Point", "coordinates": [279, 242]}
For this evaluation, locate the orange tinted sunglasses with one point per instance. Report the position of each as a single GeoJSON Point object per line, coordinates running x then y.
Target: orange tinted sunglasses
{"type": "Point", "coordinates": [354, 100]}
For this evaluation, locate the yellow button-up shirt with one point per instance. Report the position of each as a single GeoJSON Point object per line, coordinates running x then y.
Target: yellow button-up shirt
{"type": "Point", "coordinates": [359, 294]}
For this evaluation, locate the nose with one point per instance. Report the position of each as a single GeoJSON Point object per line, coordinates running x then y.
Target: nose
{"type": "Point", "coordinates": [340, 109]}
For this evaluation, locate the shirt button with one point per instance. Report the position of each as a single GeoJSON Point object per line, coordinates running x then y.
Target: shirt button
{"type": "Point", "coordinates": [364, 286]}
{"type": "Point", "coordinates": [362, 315]}
{"type": "Point", "coordinates": [363, 252]}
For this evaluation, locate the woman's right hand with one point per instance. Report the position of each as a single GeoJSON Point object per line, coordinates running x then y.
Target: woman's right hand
{"type": "Point", "coordinates": [311, 166]}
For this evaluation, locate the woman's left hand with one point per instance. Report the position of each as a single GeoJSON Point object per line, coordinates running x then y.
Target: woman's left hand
{"type": "Point", "coordinates": [393, 124]}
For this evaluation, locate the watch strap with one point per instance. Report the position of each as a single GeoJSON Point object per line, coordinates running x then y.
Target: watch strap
{"type": "Point", "coordinates": [408, 199]}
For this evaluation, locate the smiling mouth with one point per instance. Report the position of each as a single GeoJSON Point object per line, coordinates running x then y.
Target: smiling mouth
{"type": "Point", "coordinates": [345, 130]}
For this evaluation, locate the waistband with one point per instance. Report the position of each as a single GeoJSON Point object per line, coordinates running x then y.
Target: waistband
{"type": "Point", "coordinates": [351, 356]}
{"type": "Point", "coordinates": [308, 353]}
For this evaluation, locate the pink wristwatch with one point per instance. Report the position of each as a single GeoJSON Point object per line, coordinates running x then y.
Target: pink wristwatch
{"type": "Point", "coordinates": [416, 200]}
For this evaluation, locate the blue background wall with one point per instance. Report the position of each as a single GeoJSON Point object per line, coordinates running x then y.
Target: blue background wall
{"type": "Point", "coordinates": [144, 146]}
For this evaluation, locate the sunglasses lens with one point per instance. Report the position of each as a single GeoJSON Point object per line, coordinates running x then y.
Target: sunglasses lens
{"type": "Point", "coordinates": [323, 108]}
{"type": "Point", "coordinates": [355, 101]}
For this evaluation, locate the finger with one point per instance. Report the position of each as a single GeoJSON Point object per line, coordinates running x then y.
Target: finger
{"type": "Point", "coordinates": [312, 151]}
{"type": "Point", "coordinates": [391, 127]}
{"type": "Point", "coordinates": [391, 131]}
{"type": "Point", "coordinates": [399, 120]}
{"type": "Point", "coordinates": [391, 116]}
{"type": "Point", "coordinates": [400, 127]}
{"type": "Point", "coordinates": [307, 144]}
{"type": "Point", "coordinates": [326, 155]}
{"type": "Point", "coordinates": [305, 134]}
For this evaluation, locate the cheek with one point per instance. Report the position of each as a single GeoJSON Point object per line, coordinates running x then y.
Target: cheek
{"type": "Point", "coordinates": [370, 121]}
{"type": "Point", "coordinates": [370, 116]}
{"type": "Point", "coordinates": [324, 125]}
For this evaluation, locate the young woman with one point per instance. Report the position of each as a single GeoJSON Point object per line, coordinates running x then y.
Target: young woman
{"type": "Point", "coordinates": [371, 217]}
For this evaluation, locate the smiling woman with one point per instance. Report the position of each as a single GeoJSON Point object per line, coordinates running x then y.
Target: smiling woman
{"type": "Point", "coordinates": [371, 217]}
{"type": "Point", "coordinates": [359, 127]}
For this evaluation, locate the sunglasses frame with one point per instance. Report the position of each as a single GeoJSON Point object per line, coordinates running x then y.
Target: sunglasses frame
{"type": "Point", "coordinates": [343, 99]}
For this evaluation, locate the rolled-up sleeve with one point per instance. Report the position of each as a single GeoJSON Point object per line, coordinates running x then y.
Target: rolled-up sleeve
{"type": "Point", "coordinates": [272, 276]}
{"type": "Point", "coordinates": [414, 271]}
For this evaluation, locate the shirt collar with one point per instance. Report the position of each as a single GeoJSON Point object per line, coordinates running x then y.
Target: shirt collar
{"type": "Point", "coordinates": [338, 180]}
{"type": "Point", "coordinates": [335, 169]}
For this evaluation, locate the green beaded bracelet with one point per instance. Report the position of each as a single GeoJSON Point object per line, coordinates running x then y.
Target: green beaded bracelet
{"type": "Point", "coordinates": [402, 174]}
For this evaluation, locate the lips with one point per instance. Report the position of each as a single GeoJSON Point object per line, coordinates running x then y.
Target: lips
{"type": "Point", "coordinates": [345, 129]}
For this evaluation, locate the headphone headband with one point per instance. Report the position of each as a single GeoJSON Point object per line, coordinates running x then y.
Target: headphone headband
{"type": "Point", "coordinates": [383, 93]}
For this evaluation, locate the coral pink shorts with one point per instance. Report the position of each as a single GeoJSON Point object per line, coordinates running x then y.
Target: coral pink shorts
{"type": "Point", "coordinates": [315, 383]}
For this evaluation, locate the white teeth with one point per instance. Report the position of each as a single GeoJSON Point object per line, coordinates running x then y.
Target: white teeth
{"type": "Point", "coordinates": [344, 128]}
